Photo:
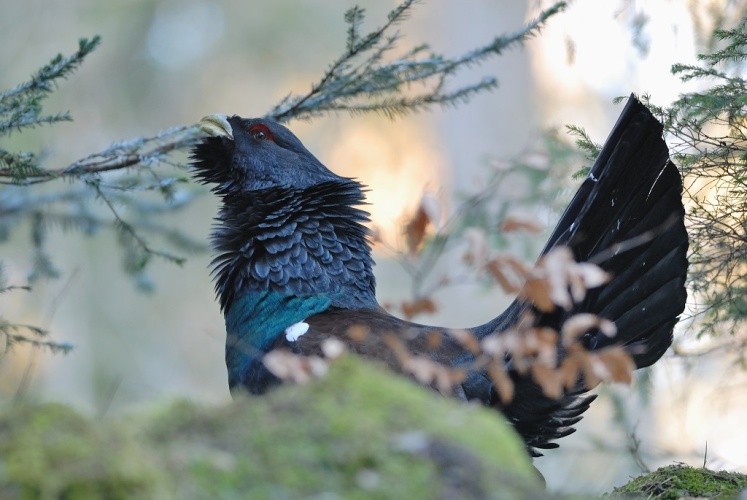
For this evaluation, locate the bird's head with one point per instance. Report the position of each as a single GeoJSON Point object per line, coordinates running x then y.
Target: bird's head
{"type": "Point", "coordinates": [242, 155]}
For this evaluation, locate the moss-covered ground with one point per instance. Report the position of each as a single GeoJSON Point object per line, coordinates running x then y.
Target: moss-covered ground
{"type": "Point", "coordinates": [682, 481]}
{"type": "Point", "coordinates": [359, 432]}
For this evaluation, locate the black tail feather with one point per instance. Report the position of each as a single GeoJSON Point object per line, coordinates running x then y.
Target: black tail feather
{"type": "Point", "coordinates": [628, 218]}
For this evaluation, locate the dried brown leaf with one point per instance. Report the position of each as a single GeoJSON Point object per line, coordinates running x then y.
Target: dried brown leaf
{"type": "Point", "coordinates": [400, 350]}
{"type": "Point", "coordinates": [418, 306]}
{"type": "Point", "coordinates": [539, 291]}
{"type": "Point", "coordinates": [576, 286]}
{"type": "Point", "coordinates": [570, 370]}
{"type": "Point", "coordinates": [415, 231]}
{"type": "Point", "coordinates": [433, 340]}
{"type": "Point", "coordinates": [557, 263]}
{"type": "Point", "coordinates": [421, 368]}
{"type": "Point", "coordinates": [601, 370]}
{"type": "Point", "coordinates": [432, 208]}
{"type": "Point", "coordinates": [514, 264]}
{"type": "Point", "coordinates": [607, 327]}
{"type": "Point", "coordinates": [333, 348]}
{"type": "Point", "coordinates": [546, 336]}
{"type": "Point", "coordinates": [549, 379]}
{"type": "Point", "coordinates": [466, 339]}
{"type": "Point", "coordinates": [504, 386]}
{"type": "Point", "coordinates": [290, 367]}
{"type": "Point", "coordinates": [584, 276]}
{"type": "Point", "coordinates": [358, 333]}
{"type": "Point", "coordinates": [578, 324]}
{"type": "Point", "coordinates": [517, 223]}
{"type": "Point", "coordinates": [510, 342]}
{"type": "Point", "coordinates": [559, 281]}
{"type": "Point", "coordinates": [546, 345]}
{"type": "Point", "coordinates": [429, 372]}
{"type": "Point", "coordinates": [427, 214]}
{"type": "Point", "coordinates": [493, 345]}
{"type": "Point", "coordinates": [591, 379]}
{"type": "Point", "coordinates": [458, 375]}
{"type": "Point", "coordinates": [281, 363]}
{"type": "Point", "coordinates": [509, 283]}
{"type": "Point", "coordinates": [592, 275]}
{"type": "Point", "coordinates": [316, 366]}
{"type": "Point", "coordinates": [526, 320]}
{"type": "Point", "coordinates": [619, 363]}
{"type": "Point", "coordinates": [447, 378]}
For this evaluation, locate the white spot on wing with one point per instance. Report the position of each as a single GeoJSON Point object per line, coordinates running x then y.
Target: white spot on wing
{"type": "Point", "coordinates": [296, 330]}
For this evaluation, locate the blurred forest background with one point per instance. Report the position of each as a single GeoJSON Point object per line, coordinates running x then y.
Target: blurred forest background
{"type": "Point", "coordinates": [164, 63]}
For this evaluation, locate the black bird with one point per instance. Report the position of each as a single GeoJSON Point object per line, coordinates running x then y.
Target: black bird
{"type": "Point", "coordinates": [293, 262]}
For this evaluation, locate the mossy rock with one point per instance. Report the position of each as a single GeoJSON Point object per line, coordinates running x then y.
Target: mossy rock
{"type": "Point", "coordinates": [50, 451]}
{"type": "Point", "coordinates": [682, 481]}
{"type": "Point", "coordinates": [359, 432]}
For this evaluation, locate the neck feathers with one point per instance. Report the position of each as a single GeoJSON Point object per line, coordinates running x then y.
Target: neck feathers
{"type": "Point", "coordinates": [297, 242]}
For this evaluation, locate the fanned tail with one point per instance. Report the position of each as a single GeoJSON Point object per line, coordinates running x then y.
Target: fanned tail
{"type": "Point", "coordinates": [628, 218]}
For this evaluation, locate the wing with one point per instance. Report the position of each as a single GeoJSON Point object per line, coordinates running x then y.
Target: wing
{"type": "Point", "coordinates": [371, 333]}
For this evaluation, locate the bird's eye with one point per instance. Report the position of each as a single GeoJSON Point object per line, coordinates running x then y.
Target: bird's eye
{"type": "Point", "coordinates": [260, 132]}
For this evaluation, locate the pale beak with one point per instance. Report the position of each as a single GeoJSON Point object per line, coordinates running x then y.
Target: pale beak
{"type": "Point", "coordinates": [216, 126]}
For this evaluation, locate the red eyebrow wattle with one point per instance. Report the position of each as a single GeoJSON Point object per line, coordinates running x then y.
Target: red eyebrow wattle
{"type": "Point", "coordinates": [259, 127]}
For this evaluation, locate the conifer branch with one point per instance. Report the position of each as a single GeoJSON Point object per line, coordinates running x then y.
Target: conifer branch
{"type": "Point", "coordinates": [21, 108]}
{"type": "Point", "coordinates": [707, 135]}
{"type": "Point", "coordinates": [585, 144]}
{"type": "Point", "coordinates": [707, 131]}
{"type": "Point", "coordinates": [17, 333]}
{"type": "Point", "coordinates": [378, 86]}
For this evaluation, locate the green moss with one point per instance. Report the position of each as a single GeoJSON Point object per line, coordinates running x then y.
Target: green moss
{"type": "Point", "coordinates": [678, 481]}
{"type": "Point", "coordinates": [360, 432]}
{"type": "Point", "coordinates": [49, 451]}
